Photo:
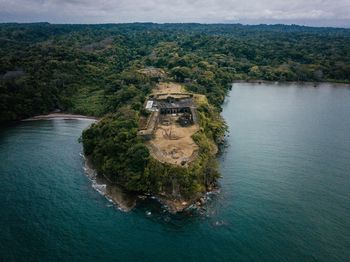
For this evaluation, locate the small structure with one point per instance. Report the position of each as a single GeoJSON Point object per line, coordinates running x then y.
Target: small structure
{"type": "Point", "coordinates": [147, 130]}
{"type": "Point", "coordinates": [172, 105]}
{"type": "Point", "coordinates": [149, 105]}
{"type": "Point", "coordinates": [169, 125]}
{"type": "Point", "coordinates": [185, 119]}
{"type": "Point", "coordinates": [167, 108]}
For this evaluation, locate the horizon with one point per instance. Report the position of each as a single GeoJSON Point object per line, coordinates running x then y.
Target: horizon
{"type": "Point", "coordinates": [179, 23]}
{"type": "Point", "coordinates": [314, 13]}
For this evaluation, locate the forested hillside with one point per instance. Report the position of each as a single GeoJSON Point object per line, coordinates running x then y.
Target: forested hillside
{"type": "Point", "coordinates": [108, 71]}
{"type": "Point", "coordinates": [94, 69]}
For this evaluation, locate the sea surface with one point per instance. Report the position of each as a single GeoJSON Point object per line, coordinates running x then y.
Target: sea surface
{"type": "Point", "coordinates": [285, 189]}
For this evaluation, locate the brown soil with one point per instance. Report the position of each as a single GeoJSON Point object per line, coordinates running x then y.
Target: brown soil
{"type": "Point", "coordinates": [165, 88]}
{"type": "Point", "coordinates": [174, 206]}
{"type": "Point", "coordinates": [173, 143]}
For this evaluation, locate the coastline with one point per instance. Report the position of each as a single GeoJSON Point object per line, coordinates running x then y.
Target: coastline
{"type": "Point", "coordinates": [174, 206]}
{"type": "Point", "coordinates": [116, 194]}
{"type": "Point", "coordinates": [315, 84]}
{"type": "Point", "coordinates": [178, 187]}
{"type": "Point", "coordinates": [65, 116]}
{"type": "Point", "coordinates": [124, 200]}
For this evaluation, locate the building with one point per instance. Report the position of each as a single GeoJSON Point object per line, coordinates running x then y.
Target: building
{"type": "Point", "coordinates": [178, 105]}
{"type": "Point", "coordinates": [172, 105]}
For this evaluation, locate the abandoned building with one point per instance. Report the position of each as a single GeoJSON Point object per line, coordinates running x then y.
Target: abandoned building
{"type": "Point", "coordinates": [185, 119]}
{"type": "Point", "coordinates": [172, 105]}
{"type": "Point", "coordinates": [161, 105]}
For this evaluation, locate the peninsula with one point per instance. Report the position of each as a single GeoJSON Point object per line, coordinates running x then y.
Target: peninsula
{"type": "Point", "coordinates": [157, 89]}
{"type": "Point", "coordinates": [172, 149]}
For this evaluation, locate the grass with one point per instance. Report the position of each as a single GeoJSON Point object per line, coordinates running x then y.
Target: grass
{"type": "Point", "coordinates": [88, 101]}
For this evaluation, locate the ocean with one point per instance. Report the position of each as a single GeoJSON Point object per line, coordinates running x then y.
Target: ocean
{"type": "Point", "coordinates": [284, 193]}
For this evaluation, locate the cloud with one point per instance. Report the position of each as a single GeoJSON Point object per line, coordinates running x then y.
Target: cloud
{"type": "Point", "coordinates": [312, 12]}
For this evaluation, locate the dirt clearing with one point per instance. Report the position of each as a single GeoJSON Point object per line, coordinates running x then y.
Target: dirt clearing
{"type": "Point", "coordinates": [173, 143]}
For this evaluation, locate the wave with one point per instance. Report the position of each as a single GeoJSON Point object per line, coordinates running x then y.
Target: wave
{"type": "Point", "coordinates": [112, 192]}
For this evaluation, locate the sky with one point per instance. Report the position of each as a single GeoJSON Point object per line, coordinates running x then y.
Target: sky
{"type": "Point", "coordinates": [334, 13]}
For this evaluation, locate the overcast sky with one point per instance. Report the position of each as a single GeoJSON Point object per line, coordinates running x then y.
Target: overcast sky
{"type": "Point", "coordinates": [306, 12]}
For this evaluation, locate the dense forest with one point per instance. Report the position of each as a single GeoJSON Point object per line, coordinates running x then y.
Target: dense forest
{"type": "Point", "coordinates": [99, 70]}
{"type": "Point", "coordinates": [92, 69]}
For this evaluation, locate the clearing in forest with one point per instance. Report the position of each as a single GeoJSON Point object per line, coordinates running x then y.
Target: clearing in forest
{"type": "Point", "coordinates": [173, 143]}
{"type": "Point", "coordinates": [171, 124]}
{"type": "Point", "coordinates": [168, 88]}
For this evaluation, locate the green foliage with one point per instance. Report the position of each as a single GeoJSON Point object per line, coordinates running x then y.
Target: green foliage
{"type": "Point", "coordinates": [96, 70]}
{"type": "Point", "coordinates": [93, 69]}
{"type": "Point", "coordinates": [114, 146]}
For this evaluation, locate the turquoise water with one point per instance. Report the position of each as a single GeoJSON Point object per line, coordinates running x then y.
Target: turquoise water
{"type": "Point", "coordinates": [285, 191]}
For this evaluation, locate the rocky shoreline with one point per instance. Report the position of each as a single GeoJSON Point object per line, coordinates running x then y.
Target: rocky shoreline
{"type": "Point", "coordinates": [174, 206]}
{"type": "Point", "coordinates": [126, 201]}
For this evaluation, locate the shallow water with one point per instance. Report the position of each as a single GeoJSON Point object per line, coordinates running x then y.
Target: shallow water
{"type": "Point", "coordinates": [285, 191]}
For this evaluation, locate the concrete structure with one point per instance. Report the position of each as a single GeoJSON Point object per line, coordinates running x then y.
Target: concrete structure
{"type": "Point", "coordinates": [152, 122]}
{"type": "Point", "coordinates": [176, 104]}
{"type": "Point", "coordinates": [149, 105]}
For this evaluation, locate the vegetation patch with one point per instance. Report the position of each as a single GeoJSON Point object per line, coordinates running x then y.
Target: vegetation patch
{"type": "Point", "coordinates": [110, 70]}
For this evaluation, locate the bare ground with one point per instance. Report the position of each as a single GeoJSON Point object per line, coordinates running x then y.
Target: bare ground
{"type": "Point", "coordinates": [165, 88]}
{"type": "Point", "coordinates": [173, 143]}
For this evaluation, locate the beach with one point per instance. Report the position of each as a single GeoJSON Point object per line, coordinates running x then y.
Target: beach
{"type": "Point", "coordinates": [59, 116]}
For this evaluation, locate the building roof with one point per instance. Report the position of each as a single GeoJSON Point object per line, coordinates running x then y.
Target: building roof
{"type": "Point", "coordinates": [175, 104]}
{"type": "Point", "coordinates": [175, 96]}
{"type": "Point", "coordinates": [149, 104]}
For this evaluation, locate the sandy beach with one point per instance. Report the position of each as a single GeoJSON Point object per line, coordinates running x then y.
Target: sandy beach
{"type": "Point", "coordinates": [59, 116]}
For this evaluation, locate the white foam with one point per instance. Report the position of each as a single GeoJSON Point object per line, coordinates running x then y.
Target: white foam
{"type": "Point", "coordinates": [101, 188]}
